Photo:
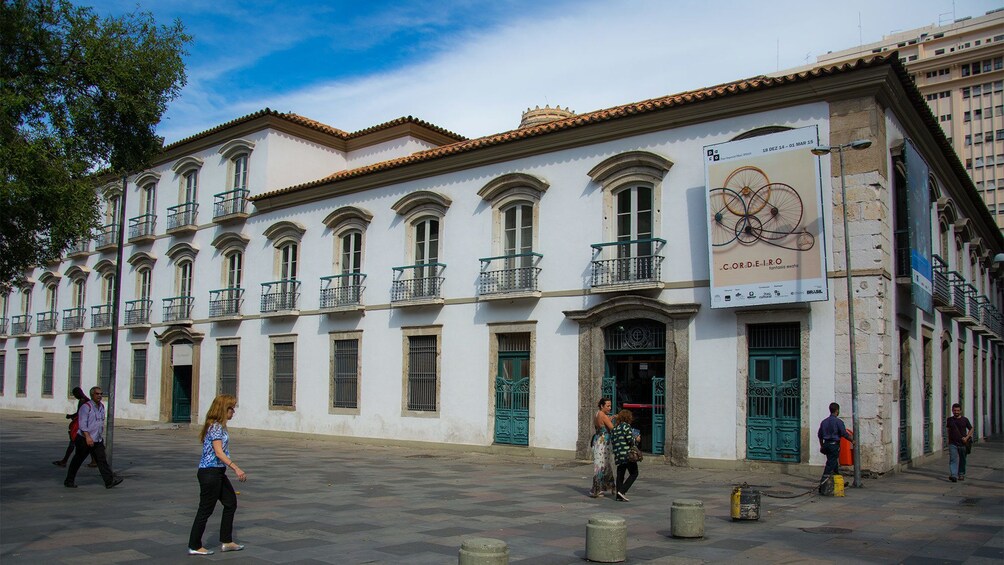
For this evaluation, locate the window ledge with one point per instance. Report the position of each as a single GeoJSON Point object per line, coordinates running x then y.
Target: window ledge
{"type": "Point", "coordinates": [231, 218]}
{"type": "Point", "coordinates": [415, 302]}
{"type": "Point", "coordinates": [183, 229]}
{"type": "Point", "coordinates": [281, 314]}
{"type": "Point", "coordinates": [143, 238]}
{"type": "Point", "coordinates": [344, 308]}
{"type": "Point", "coordinates": [622, 287]}
{"type": "Point", "coordinates": [227, 318]}
{"type": "Point", "coordinates": [142, 326]}
{"type": "Point", "coordinates": [517, 295]}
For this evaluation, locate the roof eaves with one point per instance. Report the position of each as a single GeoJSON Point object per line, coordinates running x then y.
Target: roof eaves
{"type": "Point", "coordinates": [758, 82]}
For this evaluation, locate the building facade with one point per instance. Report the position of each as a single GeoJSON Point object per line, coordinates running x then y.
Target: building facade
{"type": "Point", "coordinates": [959, 69]}
{"type": "Point", "coordinates": [403, 284]}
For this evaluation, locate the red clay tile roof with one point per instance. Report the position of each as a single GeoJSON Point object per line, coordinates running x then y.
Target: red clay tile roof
{"type": "Point", "coordinates": [315, 125]}
{"type": "Point", "coordinates": [635, 108]}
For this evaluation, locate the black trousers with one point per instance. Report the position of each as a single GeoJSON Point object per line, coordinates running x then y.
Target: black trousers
{"type": "Point", "coordinates": [97, 451]}
{"type": "Point", "coordinates": [832, 452]}
{"type": "Point", "coordinates": [622, 485]}
{"type": "Point", "coordinates": [214, 485]}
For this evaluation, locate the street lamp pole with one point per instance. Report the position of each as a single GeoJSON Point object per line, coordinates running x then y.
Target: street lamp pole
{"type": "Point", "coordinates": [819, 151]}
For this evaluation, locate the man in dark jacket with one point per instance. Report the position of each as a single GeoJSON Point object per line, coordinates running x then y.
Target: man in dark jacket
{"type": "Point", "coordinates": [960, 432]}
{"type": "Point", "coordinates": [830, 431]}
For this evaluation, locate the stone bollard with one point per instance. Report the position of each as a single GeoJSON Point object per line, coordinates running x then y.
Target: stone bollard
{"type": "Point", "coordinates": [686, 519]}
{"type": "Point", "coordinates": [606, 539]}
{"type": "Point", "coordinates": [484, 551]}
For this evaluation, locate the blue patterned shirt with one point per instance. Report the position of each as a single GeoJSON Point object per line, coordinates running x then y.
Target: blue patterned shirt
{"type": "Point", "coordinates": [209, 458]}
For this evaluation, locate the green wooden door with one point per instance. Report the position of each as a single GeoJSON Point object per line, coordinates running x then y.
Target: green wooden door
{"type": "Point", "coordinates": [773, 419]}
{"type": "Point", "coordinates": [512, 398]}
{"type": "Point", "coordinates": [181, 403]}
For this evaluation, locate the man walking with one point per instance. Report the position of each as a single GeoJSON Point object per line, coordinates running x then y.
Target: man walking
{"type": "Point", "coordinates": [91, 441]}
{"type": "Point", "coordinates": [831, 430]}
{"type": "Point", "coordinates": [960, 433]}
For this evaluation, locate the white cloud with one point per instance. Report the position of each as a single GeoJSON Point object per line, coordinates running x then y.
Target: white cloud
{"type": "Point", "coordinates": [585, 55]}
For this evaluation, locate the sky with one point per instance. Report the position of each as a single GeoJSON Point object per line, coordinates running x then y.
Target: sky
{"type": "Point", "coordinates": [473, 66]}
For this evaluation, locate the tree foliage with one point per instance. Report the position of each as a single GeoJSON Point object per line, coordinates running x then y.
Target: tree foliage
{"type": "Point", "coordinates": [78, 94]}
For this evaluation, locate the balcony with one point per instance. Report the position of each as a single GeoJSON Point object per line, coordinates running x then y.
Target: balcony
{"type": "Point", "coordinates": [78, 248]}
{"type": "Point", "coordinates": [417, 285]}
{"type": "Point", "coordinates": [20, 325]}
{"type": "Point", "coordinates": [137, 312]}
{"type": "Point", "coordinates": [178, 308]}
{"type": "Point", "coordinates": [46, 322]}
{"type": "Point", "coordinates": [637, 265]}
{"type": "Point", "coordinates": [107, 238]}
{"type": "Point", "coordinates": [73, 319]}
{"type": "Point", "coordinates": [280, 298]}
{"type": "Point", "coordinates": [978, 311]}
{"type": "Point", "coordinates": [230, 206]}
{"type": "Point", "coordinates": [181, 218]}
{"type": "Point", "coordinates": [967, 305]}
{"type": "Point", "coordinates": [509, 276]}
{"type": "Point", "coordinates": [342, 293]}
{"type": "Point", "coordinates": [142, 228]}
{"type": "Point", "coordinates": [226, 303]}
{"type": "Point", "coordinates": [942, 291]}
{"type": "Point", "coordinates": [101, 316]}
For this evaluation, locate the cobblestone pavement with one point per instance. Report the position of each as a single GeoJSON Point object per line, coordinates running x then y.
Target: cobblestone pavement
{"type": "Point", "coordinates": [317, 500]}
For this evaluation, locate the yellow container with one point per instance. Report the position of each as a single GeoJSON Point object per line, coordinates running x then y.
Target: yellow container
{"type": "Point", "coordinates": [838, 485]}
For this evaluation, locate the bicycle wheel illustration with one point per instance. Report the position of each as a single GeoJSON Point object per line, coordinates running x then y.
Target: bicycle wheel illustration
{"type": "Point", "coordinates": [746, 181]}
{"type": "Point", "coordinates": [723, 220]}
{"type": "Point", "coordinates": [749, 230]}
{"type": "Point", "coordinates": [780, 209]}
{"type": "Point", "coordinates": [805, 241]}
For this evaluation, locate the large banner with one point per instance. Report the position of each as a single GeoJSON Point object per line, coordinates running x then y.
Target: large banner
{"type": "Point", "coordinates": [918, 210]}
{"type": "Point", "coordinates": [765, 220]}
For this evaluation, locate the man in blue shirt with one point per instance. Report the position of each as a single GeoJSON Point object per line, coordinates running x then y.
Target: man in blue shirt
{"type": "Point", "coordinates": [91, 441]}
{"type": "Point", "coordinates": [830, 431]}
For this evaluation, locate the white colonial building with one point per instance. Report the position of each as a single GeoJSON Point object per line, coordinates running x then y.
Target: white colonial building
{"type": "Point", "coordinates": [404, 284]}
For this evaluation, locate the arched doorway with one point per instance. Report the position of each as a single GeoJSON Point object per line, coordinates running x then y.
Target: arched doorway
{"type": "Point", "coordinates": [635, 376]}
{"type": "Point", "coordinates": [179, 374]}
{"type": "Point", "coordinates": [631, 310]}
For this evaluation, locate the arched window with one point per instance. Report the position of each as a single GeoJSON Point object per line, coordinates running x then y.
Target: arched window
{"type": "Point", "coordinates": [344, 289]}
{"type": "Point", "coordinates": [632, 185]}
{"type": "Point", "coordinates": [422, 278]}
{"type": "Point", "coordinates": [283, 293]}
{"type": "Point", "coordinates": [239, 166]}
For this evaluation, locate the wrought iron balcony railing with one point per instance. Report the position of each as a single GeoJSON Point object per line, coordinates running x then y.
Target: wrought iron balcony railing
{"type": "Point", "coordinates": [137, 312]}
{"type": "Point", "coordinates": [972, 302]}
{"type": "Point", "coordinates": [422, 282]}
{"type": "Point", "coordinates": [339, 291]}
{"type": "Point", "coordinates": [636, 261]}
{"type": "Point", "coordinates": [225, 302]}
{"type": "Point", "coordinates": [942, 289]}
{"type": "Point", "coordinates": [78, 247]}
{"type": "Point", "coordinates": [958, 284]}
{"type": "Point", "coordinates": [508, 274]}
{"type": "Point", "coordinates": [182, 215]}
{"type": "Point", "coordinates": [20, 325]}
{"type": "Point", "coordinates": [142, 226]}
{"type": "Point", "coordinates": [46, 322]}
{"type": "Point", "coordinates": [73, 319]}
{"type": "Point", "coordinates": [3, 326]}
{"type": "Point", "coordinates": [101, 316]}
{"type": "Point", "coordinates": [230, 203]}
{"type": "Point", "coordinates": [108, 235]}
{"type": "Point", "coordinates": [280, 296]}
{"type": "Point", "coordinates": [178, 308]}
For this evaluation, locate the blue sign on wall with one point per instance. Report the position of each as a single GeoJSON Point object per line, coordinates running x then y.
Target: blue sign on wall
{"type": "Point", "coordinates": [918, 209]}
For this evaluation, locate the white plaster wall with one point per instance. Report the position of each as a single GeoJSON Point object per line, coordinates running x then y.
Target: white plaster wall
{"type": "Point", "coordinates": [386, 150]}
{"type": "Point", "coordinates": [289, 160]}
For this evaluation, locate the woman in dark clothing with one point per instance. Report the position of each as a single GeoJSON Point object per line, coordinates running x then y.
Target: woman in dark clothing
{"type": "Point", "coordinates": [82, 399]}
{"type": "Point", "coordinates": [623, 438]}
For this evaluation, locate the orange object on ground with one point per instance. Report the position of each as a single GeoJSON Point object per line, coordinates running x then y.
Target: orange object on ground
{"type": "Point", "coordinates": [846, 457]}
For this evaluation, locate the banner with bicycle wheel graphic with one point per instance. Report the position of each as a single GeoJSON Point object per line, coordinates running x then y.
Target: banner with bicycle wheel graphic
{"type": "Point", "coordinates": [765, 220]}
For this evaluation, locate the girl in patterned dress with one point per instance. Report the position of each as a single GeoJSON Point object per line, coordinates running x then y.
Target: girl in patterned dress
{"type": "Point", "coordinates": [603, 470]}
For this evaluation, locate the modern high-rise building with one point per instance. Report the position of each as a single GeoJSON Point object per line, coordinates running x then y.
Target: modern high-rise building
{"type": "Point", "coordinates": [959, 69]}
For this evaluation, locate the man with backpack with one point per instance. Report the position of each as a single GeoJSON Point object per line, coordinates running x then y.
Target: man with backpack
{"type": "Point", "coordinates": [90, 441]}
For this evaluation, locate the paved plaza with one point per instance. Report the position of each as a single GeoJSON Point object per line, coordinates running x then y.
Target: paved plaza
{"type": "Point", "coordinates": [319, 500]}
